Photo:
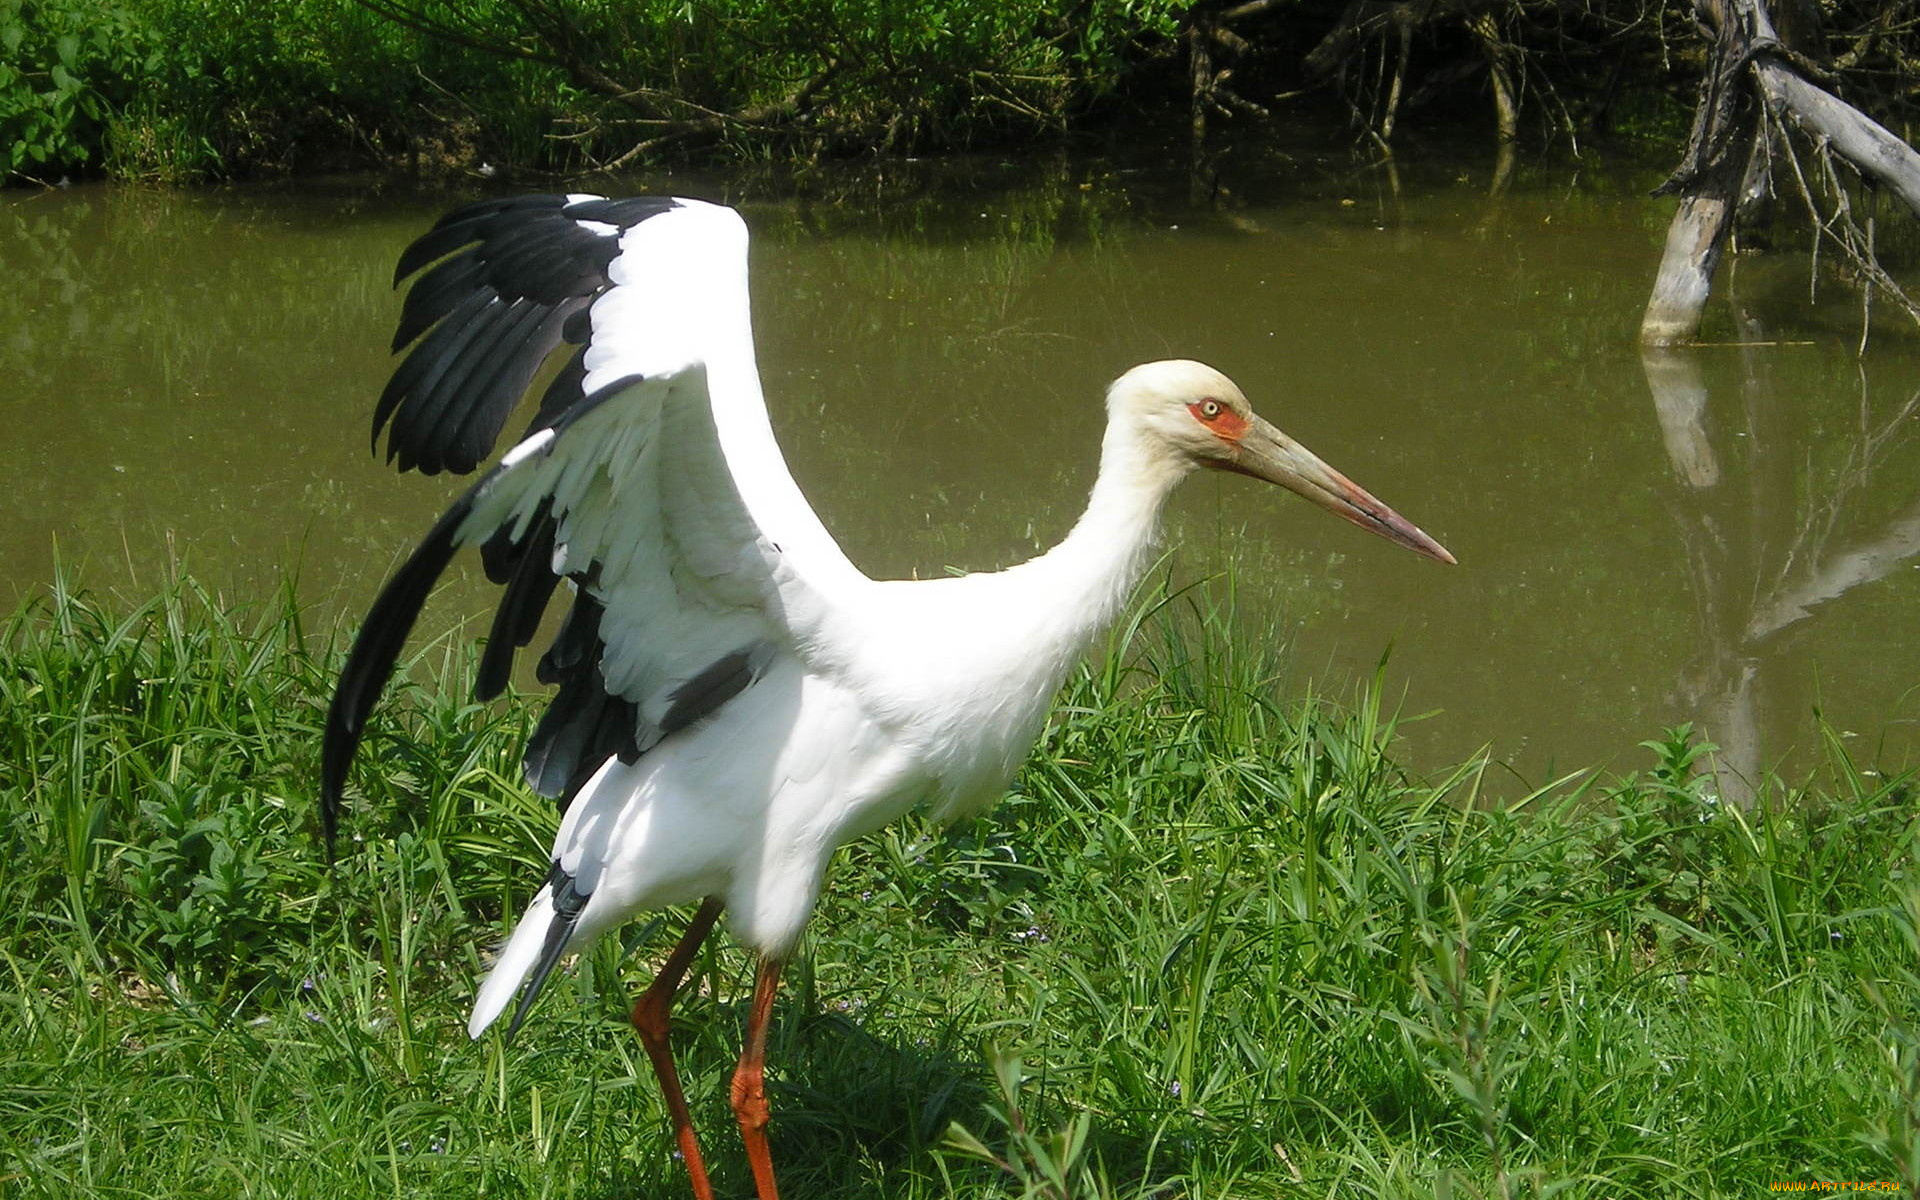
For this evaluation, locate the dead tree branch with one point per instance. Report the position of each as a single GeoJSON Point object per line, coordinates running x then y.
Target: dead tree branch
{"type": "Point", "coordinates": [1754, 70]}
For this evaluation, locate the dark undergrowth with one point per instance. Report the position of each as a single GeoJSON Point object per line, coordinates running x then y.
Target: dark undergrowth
{"type": "Point", "coordinates": [1214, 943]}
{"type": "Point", "coordinates": [173, 90]}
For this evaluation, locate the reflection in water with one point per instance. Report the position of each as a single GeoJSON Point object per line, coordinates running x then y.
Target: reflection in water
{"type": "Point", "coordinates": [199, 368]}
{"type": "Point", "coordinates": [1759, 563]}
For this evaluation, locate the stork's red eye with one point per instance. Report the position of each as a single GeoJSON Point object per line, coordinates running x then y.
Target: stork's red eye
{"type": "Point", "coordinates": [1215, 415]}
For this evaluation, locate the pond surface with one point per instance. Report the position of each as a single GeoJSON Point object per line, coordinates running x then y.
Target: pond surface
{"type": "Point", "coordinates": [1725, 535]}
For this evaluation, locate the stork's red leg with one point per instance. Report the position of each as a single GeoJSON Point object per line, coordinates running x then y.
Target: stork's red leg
{"type": "Point", "coordinates": [749, 1090]}
{"type": "Point", "coordinates": [652, 1018]}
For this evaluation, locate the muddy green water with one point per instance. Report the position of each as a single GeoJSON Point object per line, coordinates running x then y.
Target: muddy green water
{"type": "Point", "coordinates": [1726, 536]}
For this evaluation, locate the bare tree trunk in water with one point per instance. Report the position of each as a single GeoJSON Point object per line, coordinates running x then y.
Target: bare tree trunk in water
{"type": "Point", "coordinates": [1753, 70]}
{"type": "Point", "coordinates": [1724, 123]}
{"type": "Point", "coordinates": [1695, 241]}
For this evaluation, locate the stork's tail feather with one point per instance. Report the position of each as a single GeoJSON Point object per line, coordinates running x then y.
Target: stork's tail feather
{"type": "Point", "coordinates": [530, 955]}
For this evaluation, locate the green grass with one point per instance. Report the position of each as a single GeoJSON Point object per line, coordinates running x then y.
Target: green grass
{"type": "Point", "coordinates": [1213, 944]}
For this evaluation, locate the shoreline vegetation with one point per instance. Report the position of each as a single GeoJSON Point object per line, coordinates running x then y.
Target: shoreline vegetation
{"type": "Point", "coordinates": [1214, 943]}
{"type": "Point", "coordinates": [186, 90]}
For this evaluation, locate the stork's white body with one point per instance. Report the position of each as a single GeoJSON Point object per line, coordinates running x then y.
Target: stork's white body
{"type": "Point", "coordinates": [873, 696]}
{"type": "Point", "coordinates": [736, 699]}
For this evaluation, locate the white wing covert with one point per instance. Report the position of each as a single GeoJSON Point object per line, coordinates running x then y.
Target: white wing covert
{"type": "Point", "coordinates": [626, 485]}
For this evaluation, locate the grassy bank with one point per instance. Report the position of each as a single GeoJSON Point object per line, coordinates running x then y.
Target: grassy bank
{"type": "Point", "coordinates": [1220, 944]}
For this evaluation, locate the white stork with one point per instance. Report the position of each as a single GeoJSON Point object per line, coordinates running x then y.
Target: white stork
{"type": "Point", "coordinates": [736, 699]}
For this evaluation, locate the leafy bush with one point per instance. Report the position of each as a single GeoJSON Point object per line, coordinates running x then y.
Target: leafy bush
{"type": "Point", "coordinates": [67, 68]}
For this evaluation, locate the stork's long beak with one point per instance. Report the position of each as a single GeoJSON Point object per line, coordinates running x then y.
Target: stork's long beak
{"type": "Point", "coordinates": [1266, 453]}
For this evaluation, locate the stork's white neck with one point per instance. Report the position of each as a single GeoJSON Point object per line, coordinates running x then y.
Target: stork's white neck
{"type": "Point", "coordinates": [1019, 631]}
{"type": "Point", "coordinates": [1102, 559]}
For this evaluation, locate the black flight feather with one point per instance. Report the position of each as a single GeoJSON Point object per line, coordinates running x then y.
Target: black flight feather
{"type": "Point", "coordinates": [565, 737]}
{"type": "Point", "coordinates": [468, 223]}
{"type": "Point", "coordinates": [567, 905]}
{"type": "Point", "coordinates": [719, 682]}
{"type": "Point", "coordinates": [521, 606]}
{"type": "Point", "coordinates": [443, 239]}
{"type": "Point", "coordinates": [384, 632]}
{"type": "Point", "coordinates": [552, 261]}
{"type": "Point", "coordinates": [441, 404]}
{"type": "Point", "coordinates": [436, 416]}
{"type": "Point", "coordinates": [503, 379]}
{"type": "Point", "coordinates": [577, 643]}
{"type": "Point", "coordinates": [377, 648]}
{"type": "Point", "coordinates": [422, 371]}
{"type": "Point", "coordinates": [624, 211]}
{"type": "Point", "coordinates": [567, 387]}
{"type": "Point", "coordinates": [503, 551]}
{"type": "Point", "coordinates": [470, 361]}
{"type": "Point", "coordinates": [436, 294]}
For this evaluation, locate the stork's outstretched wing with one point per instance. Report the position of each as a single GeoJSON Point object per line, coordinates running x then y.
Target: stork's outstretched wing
{"type": "Point", "coordinates": [649, 478]}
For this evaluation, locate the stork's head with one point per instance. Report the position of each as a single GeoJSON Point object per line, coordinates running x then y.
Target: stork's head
{"type": "Point", "coordinates": [1185, 414]}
